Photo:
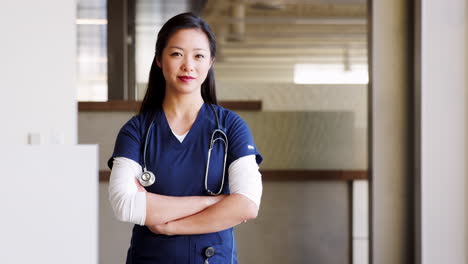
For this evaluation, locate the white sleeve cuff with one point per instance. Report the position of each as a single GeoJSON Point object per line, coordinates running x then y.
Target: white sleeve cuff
{"type": "Point", "coordinates": [128, 203]}
{"type": "Point", "coordinates": [245, 179]}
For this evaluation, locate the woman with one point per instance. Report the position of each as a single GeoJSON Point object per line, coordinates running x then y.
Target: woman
{"type": "Point", "coordinates": [180, 218]}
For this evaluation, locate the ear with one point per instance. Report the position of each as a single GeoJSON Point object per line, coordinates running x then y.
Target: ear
{"type": "Point", "coordinates": [158, 63]}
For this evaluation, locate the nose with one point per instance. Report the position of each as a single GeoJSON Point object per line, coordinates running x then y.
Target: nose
{"type": "Point", "coordinates": [188, 65]}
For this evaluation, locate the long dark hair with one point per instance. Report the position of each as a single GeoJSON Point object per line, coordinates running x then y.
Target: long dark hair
{"type": "Point", "coordinates": [157, 84]}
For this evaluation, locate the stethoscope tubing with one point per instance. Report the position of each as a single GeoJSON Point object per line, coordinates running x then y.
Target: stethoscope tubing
{"type": "Point", "coordinates": [224, 139]}
{"type": "Point", "coordinates": [146, 143]}
{"type": "Point", "coordinates": [212, 141]}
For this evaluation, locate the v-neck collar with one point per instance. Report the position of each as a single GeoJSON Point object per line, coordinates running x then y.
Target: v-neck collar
{"type": "Point", "coordinates": [173, 141]}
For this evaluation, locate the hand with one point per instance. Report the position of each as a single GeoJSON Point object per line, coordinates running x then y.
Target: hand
{"type": "Point", "coordinates": [162, 229]}
{"type": "Point", "coordinates": [139, 186]}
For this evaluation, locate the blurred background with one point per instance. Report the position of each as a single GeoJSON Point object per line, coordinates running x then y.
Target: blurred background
{"type": "Point", "coordinates": [295, 71]}
{"type": "Point", "coordinates": [358, 107]}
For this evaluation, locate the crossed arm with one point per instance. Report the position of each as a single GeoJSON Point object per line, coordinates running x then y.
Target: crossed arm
{"type": "Point", "coordinates": [176, 215]}
{"type": "Point", "coordinates": [197, 214]}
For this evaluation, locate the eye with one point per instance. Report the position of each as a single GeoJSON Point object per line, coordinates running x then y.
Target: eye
{"type": "Point", "coordinates": [176, 54]}
{"type": "Point", "coordinates": [200, 56]}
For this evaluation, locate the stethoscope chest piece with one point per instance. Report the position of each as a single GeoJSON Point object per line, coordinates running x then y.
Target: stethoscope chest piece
{"type": "Point", "coordinates": [147, 178]}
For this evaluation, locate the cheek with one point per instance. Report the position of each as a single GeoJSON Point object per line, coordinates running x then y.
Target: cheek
{"type": "Point", "coordinates": [205, 74]}
{"type": "Point", "coordinates": [206, 67]}
{"type": "Point", "coordinates": [204, 70]}
{"type": "Point", "coordinates": [168, 76]}
{"type": "Point", "coordinates": [167, 70]}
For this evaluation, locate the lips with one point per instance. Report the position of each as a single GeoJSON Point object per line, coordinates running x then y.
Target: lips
{"type": "Point", "coordinates": [186, 78]}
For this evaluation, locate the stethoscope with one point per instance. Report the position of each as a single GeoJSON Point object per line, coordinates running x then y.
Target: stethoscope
{"type": "Point", "coordinates": [147, 178]}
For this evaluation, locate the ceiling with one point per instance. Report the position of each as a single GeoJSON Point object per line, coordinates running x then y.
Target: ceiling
{"type": "Point", "coordinates": [287, 32]}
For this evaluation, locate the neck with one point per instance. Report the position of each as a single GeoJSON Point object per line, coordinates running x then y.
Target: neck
{"type": "Point", "coordinates": [182, 105]}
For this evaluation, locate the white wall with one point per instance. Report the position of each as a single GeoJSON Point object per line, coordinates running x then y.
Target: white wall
{"type": "Point", "coordinates": [49, 204]}
{"type": "Point", "coordinates": [48, 192]}
{"type": "Point", "coordinates": [301, 97]}
{"type": "Point", "coordinates": [37, 71]}
{"type": "Point", "coordinates": [443, 131]}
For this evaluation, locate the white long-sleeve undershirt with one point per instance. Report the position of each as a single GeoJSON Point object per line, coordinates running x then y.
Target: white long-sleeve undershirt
{"type": "Point", "coordinates": [129, 204]}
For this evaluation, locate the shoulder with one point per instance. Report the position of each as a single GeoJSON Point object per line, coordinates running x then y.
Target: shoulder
{"type": "Point", "coordinates": [234, 126]}
{"type": "Point", "coordinates": [137, 124]}
{"type": "Point", "coordinates": [240, 138]}
{"type": "Point", "coordinates": [230, 120]}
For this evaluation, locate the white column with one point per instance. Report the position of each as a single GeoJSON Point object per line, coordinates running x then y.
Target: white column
{"type": "Point", "coordinates": [391, 193]}
{"type": "Point", "coordinates": [443, 88]}
{"type": "Point", "coordinates": [360, 222]}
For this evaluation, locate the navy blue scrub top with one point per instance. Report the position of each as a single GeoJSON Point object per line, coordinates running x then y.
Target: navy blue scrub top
{"type": "Point", "coordinates": [180, 171]}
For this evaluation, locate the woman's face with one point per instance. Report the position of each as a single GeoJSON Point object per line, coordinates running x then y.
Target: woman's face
{"type": "Point", "coordinates": [185, 61]}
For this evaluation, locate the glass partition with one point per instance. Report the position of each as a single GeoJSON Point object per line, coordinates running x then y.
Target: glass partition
{"type": "Point", "coordinates": [91, 50]}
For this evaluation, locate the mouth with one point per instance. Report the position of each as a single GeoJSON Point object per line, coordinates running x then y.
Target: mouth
{"type": "Point", "coordinates": [186, 79]}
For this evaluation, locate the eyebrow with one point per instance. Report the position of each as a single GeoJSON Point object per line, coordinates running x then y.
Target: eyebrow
{"type": "Point", "coordinates": [176, 47]}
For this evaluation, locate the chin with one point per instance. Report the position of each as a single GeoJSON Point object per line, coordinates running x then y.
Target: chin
{"type": "Point", "coordinates": [187, 90]}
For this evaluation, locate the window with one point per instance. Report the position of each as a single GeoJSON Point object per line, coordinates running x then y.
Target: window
{"type": "Point", "coordinates": [330, 74]}
{"type": "Point", "coordinates": [92, 50]}
{"type": "Point", "coordinates": [150, 16]}
{"type": "Point", "coordinates": [95, 26]}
